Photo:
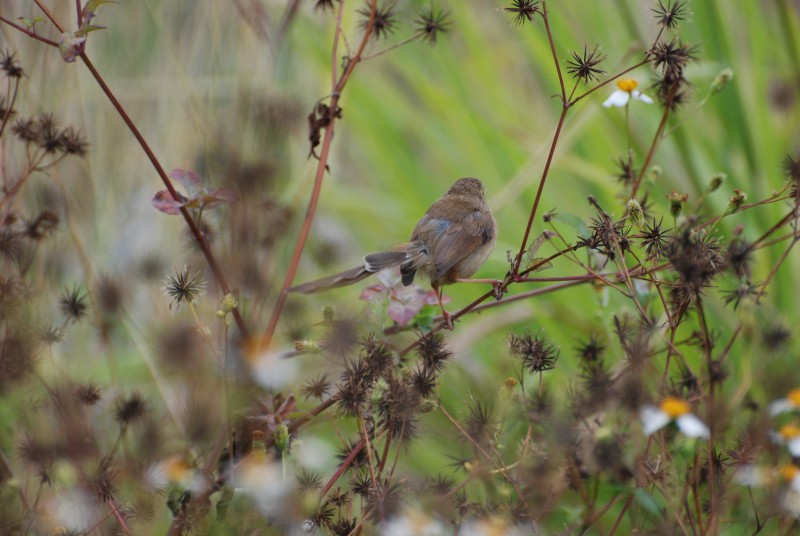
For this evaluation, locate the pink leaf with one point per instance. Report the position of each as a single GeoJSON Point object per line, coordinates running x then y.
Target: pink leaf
{"type": "Point", "coordinates": [189, 180]}
{"type": "Point", "coordinates": [373, 292]}
{"type": "Point", "coordinates": [164, 202]}
{"type": "Point", "coordinates": [402, 313]}
{"type": "Point", "coordinates": [430, 298]}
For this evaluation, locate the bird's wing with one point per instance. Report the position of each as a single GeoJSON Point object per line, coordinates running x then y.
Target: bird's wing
{"type": "Point", "coordinates": [460, 240]}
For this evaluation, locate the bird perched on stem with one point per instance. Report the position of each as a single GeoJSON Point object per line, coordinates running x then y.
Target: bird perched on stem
{"type": "Point", "coordinates": [448, 245]}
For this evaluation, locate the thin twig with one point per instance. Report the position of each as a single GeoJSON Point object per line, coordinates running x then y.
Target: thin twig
{"type": "Point", "coordinates": [320, 175]}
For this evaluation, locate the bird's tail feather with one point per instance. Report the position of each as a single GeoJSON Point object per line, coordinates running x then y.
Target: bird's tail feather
{"type": "Point", "coordinates": [348, 277]}
{"type": "Point", "coordinates": [375, 262]}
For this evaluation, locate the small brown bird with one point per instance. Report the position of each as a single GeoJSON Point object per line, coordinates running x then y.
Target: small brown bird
{"type": "Point", "coordinates": [448, 245]}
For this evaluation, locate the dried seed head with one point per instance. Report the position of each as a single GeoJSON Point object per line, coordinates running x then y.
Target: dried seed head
{"type": "Point", "coordinates": [184, 287]}
{"type": "Point", "coordinates": [130, 410]}
{"type": "Point", "coordinates": [535, 352]}
{"type": "Point", "coordinates": [383, 23]}
{"type": "Point", "coordinates": [523, 10]}
{"type": "Point", "coordinates": [431, 24]}
{"type": "Point", "coordinates": [584, 66]}
{"type": "Point", "coordinates": [671, 14]}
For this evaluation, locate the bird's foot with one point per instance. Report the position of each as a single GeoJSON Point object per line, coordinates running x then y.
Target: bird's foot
{"type": "Point", "coordinates": [498, 289]}
{"type": "Point", "coordinates": [447, 320]}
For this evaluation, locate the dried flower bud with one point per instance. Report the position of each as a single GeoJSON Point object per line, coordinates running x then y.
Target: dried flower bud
{"type": "Point", "coordinates": [281, 436]}
{"type": "Point", "coordinates": [721, 80]}
{"type": "Point", "coordinates": [229, 303]}
{"type": "Point", "coordinates": [676, 202]}
{"type": "Point", "coordinates": [737, 200]}
{"type": "Point", "coordinates": [634, 212]}
{"type": "Point", "coordinates": [258, 446]}
{"type": "Point", "coordinates": [379, 389]}
{"type": "Point", "coordinates": [716, 182]}
{"type": "Point", "coordinates": [307, 346]}
{"type": "Point", "coordinates": [71, 46]}
{"type": "Point", "coordinates": [428, 405]}
{"type": "Point", "coordinates": [655, 174]}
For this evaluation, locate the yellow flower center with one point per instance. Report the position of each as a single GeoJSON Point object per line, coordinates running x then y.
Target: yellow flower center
{"type": "Point", "coordinates": [176, 469]}
{"type": "Point", "coordinates": [789, 431]}
{"type": "Point", "coordinates": [674, 407]}
{"type": "Point", "coordinates": [627, 84]}
{"type": "Point", "coordinates": [794, 397]}
{"type": "Point", "coordinates": [788, 472]}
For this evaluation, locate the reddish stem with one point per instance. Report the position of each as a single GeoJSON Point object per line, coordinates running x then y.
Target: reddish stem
{"type": "Point", "coordinates": [319, 177]}
{"type": "Point", "coordinates": [542, 181]}
{"type": "Point", "coordinates": [342, 468]}
{"type": "Point", "coordinates": [29, 33]}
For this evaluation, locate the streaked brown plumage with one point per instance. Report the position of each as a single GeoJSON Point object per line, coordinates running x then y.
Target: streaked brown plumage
{"type": "Point", "coordinates": [449, 243]}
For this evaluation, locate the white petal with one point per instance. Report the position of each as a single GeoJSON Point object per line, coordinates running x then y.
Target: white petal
{"type": "Point", "coordinates": [691, 426]}
{"type": "Point", "coordinates": [638, 95]}
{"type": "Point", "coordinates": [780, 406]}
{"type": "Point", "coordinates": [74, 510]}
{"type": "Point", "coordinates": [796, 483]}
{"type": "Point", "coordinates": [273, 370]}
{"type": "Point", "coordinates": [794, 446]}
{"type": "Point", "coordinates": [619, 99]}
{"type": "Point", "coordinates": [653, 419]}
{"type": "Point", "coordinates": [750, 475]}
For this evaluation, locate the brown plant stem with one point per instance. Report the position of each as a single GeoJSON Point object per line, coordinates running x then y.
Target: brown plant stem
{"type": "Point", "coordinates": [343, 467]}
{"type": "Point", "coordinates": [650, 152]}
{"type": "Point", "coordinates": [555, 54]}
{"type": "Point", "coordinates": [607, 81]}
{"type": "Point", "coordinates": [322, 165]}
{"type": "Point", "coordinates": [621, 515]}
{"type": "Point", "coordinates": [526, 235]}
{"type": "Point", "coordinates": [10, 106]}
{"type": "Point", "coordinates": [28, 32]}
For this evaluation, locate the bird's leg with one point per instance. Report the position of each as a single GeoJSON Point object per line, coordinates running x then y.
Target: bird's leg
{"type": "Point", "coordinates": [448, 317]}
{"type": "Point", "coordinates": [497, 285]}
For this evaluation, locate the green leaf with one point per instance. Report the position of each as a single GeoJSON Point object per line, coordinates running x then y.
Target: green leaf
{"type": "Point", "coordinates": [89, 28]}
{"type": "Point", "coordinates": [424, 319]}
{"type": "Point", "coordinates": [92, 5]}
{"type": "Point", "coordinates": [646, 501]}
{"type": "Point", "coordinates": [575, 222]}
{"type": "Point", "coordinates": [30, 23]}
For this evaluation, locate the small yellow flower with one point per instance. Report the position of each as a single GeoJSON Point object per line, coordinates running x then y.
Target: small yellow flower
{"type": "Point", "coordinates": [625, 92]}
{"type": "Point", "coordinates": [672, 409]}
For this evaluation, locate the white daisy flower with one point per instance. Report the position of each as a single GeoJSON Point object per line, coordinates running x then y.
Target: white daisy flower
{"type": "Point", "coordinates": [790, 403]}
{"type": "Point", "coordinates": [789, 435]}
{"type": "Point", "coordinates": [625, 92]}
{"type": "Point", "coordinates": [752, 475]}
{"type": "Point", "coordinates": [672, 409]}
